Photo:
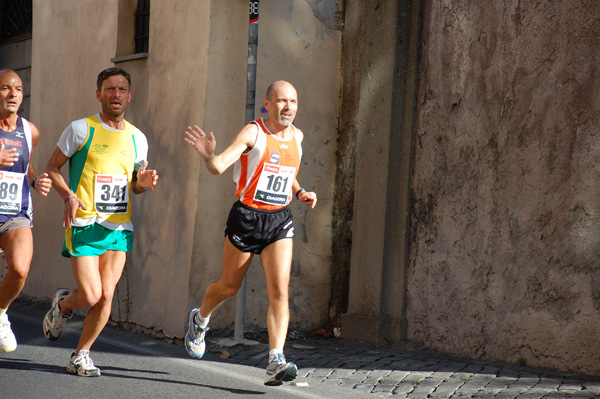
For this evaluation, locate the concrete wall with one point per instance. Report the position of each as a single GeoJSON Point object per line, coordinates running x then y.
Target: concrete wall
{"type": "Point", "coordinates": [504, 255]}
{"type": "Point", "coordinates": [195, 72]}
{"type": "Point", "coordinates": [17, 56]}
{"type": "Point", "coordinates": [378, 119]}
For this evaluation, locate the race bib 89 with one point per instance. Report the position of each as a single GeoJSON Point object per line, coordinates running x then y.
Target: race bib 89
{"type": "Point", "coordinates": [11, 187]}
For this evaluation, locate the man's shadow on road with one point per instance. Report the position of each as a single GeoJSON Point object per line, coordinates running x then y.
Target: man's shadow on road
{"type": "Point", "coordinates": [24, 364]}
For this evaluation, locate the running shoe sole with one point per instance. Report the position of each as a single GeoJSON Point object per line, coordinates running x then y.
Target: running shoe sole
{"type": "Point", "coordinates": [82, 372]}
{"type": "Point", "coordinates": [286, 375]}
{"type": "Point", "coordinates": [61, 293]}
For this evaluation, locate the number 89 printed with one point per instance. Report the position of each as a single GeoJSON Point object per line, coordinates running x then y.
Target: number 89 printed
{"type": "Point", "coordinates": [9, 191]}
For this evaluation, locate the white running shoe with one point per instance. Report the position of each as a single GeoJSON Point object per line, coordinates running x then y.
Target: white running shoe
{"type": "Point", "coordinates": [54, 321]}
{"type": "Point", "coordinates": [82, 365]}
{"type": "Point", "coordinates": [280, 371]}
{"type": "Point", "coordinates": [8, 342]}
{"type": "Point", "coordinates": [194, 337]}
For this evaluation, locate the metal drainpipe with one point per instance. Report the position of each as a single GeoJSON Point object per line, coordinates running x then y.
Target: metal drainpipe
{"type": "Point", "coordinates": [240, 313]}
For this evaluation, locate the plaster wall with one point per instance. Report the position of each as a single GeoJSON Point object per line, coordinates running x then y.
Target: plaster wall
{"type": "Point", "coordinates": [64, 70]}
{"type": "Point", "coordinates": [505, 221]}
{"type": "Point", "coordinates": [195, 73]}
{"type": "Point", "coordinates": [71, 45]}
{"type": "Point", "coordinates": [372, 159]}
{"type": "Point", "coordinates": [381, 43]}
{"type": "Point", "coordinates": [294, 44]}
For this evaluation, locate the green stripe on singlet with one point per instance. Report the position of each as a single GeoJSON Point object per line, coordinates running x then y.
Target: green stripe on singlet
{"type": "Point", "coordinates": [77, 162]}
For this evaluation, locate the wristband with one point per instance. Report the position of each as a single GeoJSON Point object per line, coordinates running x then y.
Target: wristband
{"type": "Point", "coordinates": [302, 190]}
{"type": "Point", "coordinates": [69, 197]}
{"type": "Point", "coordinates": [137, 184]}
{"type": "Point", "coordinates": [33, 182]}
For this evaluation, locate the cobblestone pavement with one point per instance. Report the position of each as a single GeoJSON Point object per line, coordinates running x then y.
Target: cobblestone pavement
{"type": "Point", "coordinates": [413, 374]}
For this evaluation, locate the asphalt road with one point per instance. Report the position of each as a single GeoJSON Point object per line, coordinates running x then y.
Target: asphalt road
{"type": "Point", "coordinates": [133, 366]}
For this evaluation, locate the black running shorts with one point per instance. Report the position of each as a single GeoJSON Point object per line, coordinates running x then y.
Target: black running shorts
{"type": "Point", "coordinates": [251, 230]}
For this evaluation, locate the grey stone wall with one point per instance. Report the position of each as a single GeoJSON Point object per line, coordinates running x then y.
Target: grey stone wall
{"type": "Point", "coordinates": [506, 206]}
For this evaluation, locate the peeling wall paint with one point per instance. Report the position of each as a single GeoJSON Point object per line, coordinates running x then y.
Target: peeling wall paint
{"type": "Point", "coordinates": [329, 12]}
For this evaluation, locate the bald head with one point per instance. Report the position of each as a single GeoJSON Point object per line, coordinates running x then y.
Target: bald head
{"type": "Point", "coordinates": [11, 93]}
{"type": "Point", "coordinates": [277, 85]}
{"type": "Point", "coordinates": [8, 72]}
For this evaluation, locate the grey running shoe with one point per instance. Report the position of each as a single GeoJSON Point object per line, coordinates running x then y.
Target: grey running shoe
{"type": "Point", "coordinates": [194, 337]}
{"type": "Point", "coordinates": [8, 342]}
{"type": "Point", "coordinates": [54, 321]}
{"type": "Point", "coordinates": [280, 371]}
{"type": "Point", "coordinates": [82, 365]}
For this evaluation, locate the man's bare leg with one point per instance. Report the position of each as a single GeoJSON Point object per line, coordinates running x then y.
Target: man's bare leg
{"type": "Point", "coordinates": [235, 267]}
{"type": "Point", "coordinates": [277, 263]}
{"type": "Point", "coordinates": [18, 250]}
{"type": "Point", "coordinates": [96, 287]}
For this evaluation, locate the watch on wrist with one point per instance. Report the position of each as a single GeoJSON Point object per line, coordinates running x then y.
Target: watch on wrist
{"type": "Point", "coordinates": [302, 190]}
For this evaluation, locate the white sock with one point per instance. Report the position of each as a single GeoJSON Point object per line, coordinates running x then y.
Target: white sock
{"type": "Point", "coordinates": [202, 322]}
{"type": "Point", "coordinates": [273, 354]}
{"type": "Point", "coordinates": [3, 312]}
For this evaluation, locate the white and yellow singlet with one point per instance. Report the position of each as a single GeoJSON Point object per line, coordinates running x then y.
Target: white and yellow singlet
{"type": "Point", "coordinates": [101, 164]}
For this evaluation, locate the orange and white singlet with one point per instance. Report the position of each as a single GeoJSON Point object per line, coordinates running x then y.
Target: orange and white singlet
{"type": "Point", "coordinates": [264, 175]}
